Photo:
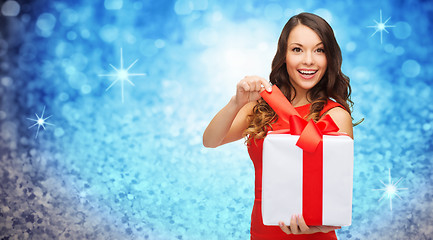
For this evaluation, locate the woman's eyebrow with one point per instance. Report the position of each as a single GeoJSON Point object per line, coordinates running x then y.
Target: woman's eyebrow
{"type": "Point", "coordinates": [295, 43]}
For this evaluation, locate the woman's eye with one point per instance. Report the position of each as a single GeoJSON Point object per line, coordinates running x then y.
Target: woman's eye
{"type": "Point", "coordinates": [296, 49]}
{"type": "Point", "coordinates": [320, 50]}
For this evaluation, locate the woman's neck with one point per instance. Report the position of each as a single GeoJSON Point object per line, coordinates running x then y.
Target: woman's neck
{"type": "Point", "coordinates": [300, 98]}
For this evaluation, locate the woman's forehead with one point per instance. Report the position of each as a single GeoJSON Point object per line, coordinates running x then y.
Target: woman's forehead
{"type": "Point", "coordinates": [303, 35]}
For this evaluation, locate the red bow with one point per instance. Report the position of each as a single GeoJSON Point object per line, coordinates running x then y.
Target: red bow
{"type": "Point", "coordinates": [311, 133]}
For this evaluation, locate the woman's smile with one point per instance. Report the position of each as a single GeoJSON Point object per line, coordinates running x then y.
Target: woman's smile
{"type": "Point", "coordinates": [307, 73]}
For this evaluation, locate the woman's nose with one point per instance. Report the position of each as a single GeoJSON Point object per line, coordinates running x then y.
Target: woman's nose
{"type": "Point", "coordinates": [308, 58]}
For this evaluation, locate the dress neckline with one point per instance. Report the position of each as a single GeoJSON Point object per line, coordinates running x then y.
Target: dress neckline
{"type": "Point", "coordinates": [304, 106]}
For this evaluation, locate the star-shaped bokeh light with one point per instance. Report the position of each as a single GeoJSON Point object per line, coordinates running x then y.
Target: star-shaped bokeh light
{"type": "Point", "coordinates": [380, 27]}
{"type": "Point", "coordinates": [122, 74]}
{"type": "Point", "coordinates": [40, 121]}
{"type": "Point", "coordinates": [390, 190]}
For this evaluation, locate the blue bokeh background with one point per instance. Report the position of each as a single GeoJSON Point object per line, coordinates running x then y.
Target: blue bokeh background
{"type": "Point", "coordinates": [136, 169]}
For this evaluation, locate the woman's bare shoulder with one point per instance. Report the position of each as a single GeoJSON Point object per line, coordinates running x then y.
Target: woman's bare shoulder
{"type": "Point", "coordinates": [340, 113]}
{"type": "Point", "coordinates": [343, 120]}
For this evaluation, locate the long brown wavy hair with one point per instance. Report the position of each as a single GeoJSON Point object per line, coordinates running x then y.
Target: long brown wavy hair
{"type": "Point", "coordinates": [333, 85]}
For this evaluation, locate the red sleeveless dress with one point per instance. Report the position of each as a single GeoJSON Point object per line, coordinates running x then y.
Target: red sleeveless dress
{"type": "Point", "coordinates": [258, 230]}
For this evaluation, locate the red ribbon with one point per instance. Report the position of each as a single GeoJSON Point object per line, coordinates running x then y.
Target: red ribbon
{"type": "Point", "coordinates": [311, 141]}
{"type": "Point", "coordinates": [311, 133]}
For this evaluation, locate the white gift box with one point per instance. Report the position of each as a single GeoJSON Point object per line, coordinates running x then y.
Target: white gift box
{"type": "Point", "coordinates": [282, 179]}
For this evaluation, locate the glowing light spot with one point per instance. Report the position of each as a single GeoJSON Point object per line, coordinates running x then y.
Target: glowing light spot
{"type": "Point", "coordinates": [411, 68]}
{"type": "Point", "coordinates": [200, 5]}
{"type": "Point", "coordinates": [402, 30]}
{"type": "Point", "coordinates": [80, 61]}
{"type": "Point", "coordinates": [109, 33]}
{"type": "Point", "coordinates": [45, 24]}
{"type": "Point", "coordinates": [183, 7]}
{"type": "Point", "coordinates": [59, 132]}
{"type": "Point", "coordinates": [399, 51]}
{"type": "Point", "coordinates": [6, 81]}
{"type": "Point", "coordinates": [85, 33]}
{"type": "Point", "coordinates": [389, 48]}
{"type": "Point", "coordinates": [380, 27]}
{"type": "Point", "coordinates": [325, 14]}
{"type": "Point", "coordinates": [159, 43]}
{"type": "Point", "coordinates": [63, 97]}
{"type": "Point", "coordinates": [122, 74]}
{"type": "Point", "coordinates": [68, 17]}
{"type": "Point", "coordinates": [351, 46]}
{"type": "Point", "coordinates": [113, 4]}
{"type": "Point", "coordinates": [86, 89]}
{"type": "Point", "coordinates": [10, 9]}
{"type": "Point", "coordinates": [3, 115]}
{"type": "Point", "coordinates": [361, 73]}
{"type": "Point", "coordinates": [130, 196]}
{"type": "Point", "coordinates": [76, 79]}
{"type": "Point", "coordinates": [390, 189]}
{"type": "Point", "coordinates": [40, 121]}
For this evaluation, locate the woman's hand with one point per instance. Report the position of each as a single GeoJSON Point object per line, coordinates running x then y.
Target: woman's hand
{"type": "Point", "coordinates": [298, 226]}
{"type": "Point", "coordinates": [249, 89]}
{"type": "Point", "coordinates": [229, 123]}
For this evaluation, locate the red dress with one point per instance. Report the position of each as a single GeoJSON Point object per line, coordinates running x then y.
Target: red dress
{"type": "Point", "coordinates": [258, 230]}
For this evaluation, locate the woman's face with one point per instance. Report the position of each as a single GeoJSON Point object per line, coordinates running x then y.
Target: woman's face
{"type": "Point", "coordinates": [305, 58]}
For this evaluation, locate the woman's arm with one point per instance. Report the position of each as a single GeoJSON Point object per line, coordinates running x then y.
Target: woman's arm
{"type": "Point", "coordinates": [230, 122]}
{"type": "Point", "coordinates": [227, 125]}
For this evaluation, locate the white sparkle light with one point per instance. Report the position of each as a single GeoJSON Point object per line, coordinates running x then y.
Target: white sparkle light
{"type": "Point", "coordinates": [40, 121]}
{"type": "Point", "coordinates": [380, 27]}
{"type": "Point", "coordinates": [390, 189]}
{"type": "Point", "coordinates": [122, 74]}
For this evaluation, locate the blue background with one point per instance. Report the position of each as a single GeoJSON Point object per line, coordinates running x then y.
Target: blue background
{"type": "Point", "coordinates": [137, 169]}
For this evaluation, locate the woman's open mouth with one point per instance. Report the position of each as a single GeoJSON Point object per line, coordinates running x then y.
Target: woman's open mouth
{"type": "Point", "coordinates": [307, 74]}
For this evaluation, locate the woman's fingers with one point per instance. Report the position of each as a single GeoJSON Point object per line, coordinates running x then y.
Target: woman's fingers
{"type": "Point", "coordinates": [262, 84]}
{"type": "Point", "coordinates": [266, 85]}
{"type": "Point", "coordinates": [302, 225]}
{"type": "Point", "coordinates": [285, 228]}
{"type": "Point", "coordinates": [257, 86]}
{"type": "Point", "coordinates": [249, 89]}
{"type": "Point", "coordinates": [294, 225]}
{"type": "Point", "coordinates": [257, 83]}
{"type": "Point", "coordinates": [244, 86]}
{"type": "Point", "coordinates": [298, 226]}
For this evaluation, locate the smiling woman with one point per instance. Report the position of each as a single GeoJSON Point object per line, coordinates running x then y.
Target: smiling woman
{"type": "Point", "coordinates": [307, 68]}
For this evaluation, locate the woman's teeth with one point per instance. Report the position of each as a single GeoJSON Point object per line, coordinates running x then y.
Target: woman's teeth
{"type": "Point", "coordinates": [307, 72]}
